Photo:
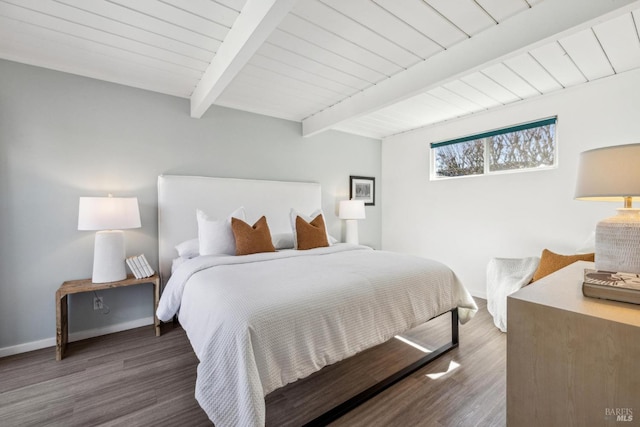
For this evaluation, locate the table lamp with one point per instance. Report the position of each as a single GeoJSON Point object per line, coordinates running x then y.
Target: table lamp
{"type": "Point", "coordinates": [612, 174]}
{"type": "Point", "coordinates": [351, 211]}
{"type": "Point", "coordinates": [109, 216]}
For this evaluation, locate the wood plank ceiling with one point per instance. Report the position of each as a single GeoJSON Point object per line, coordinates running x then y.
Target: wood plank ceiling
{"type": "Point", "coordinates": [368, 67]}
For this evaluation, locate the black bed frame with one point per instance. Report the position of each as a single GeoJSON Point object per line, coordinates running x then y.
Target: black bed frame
{"type": "Point", "coordinates": [344, 407]}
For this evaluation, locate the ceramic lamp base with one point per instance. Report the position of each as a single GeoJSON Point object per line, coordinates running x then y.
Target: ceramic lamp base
{"type": "Point", "coordinates": [618, 242]}
{"type": "Point", "coordinates": [352, 231]}
{"type": "Point", "coordinates": [109, 257]}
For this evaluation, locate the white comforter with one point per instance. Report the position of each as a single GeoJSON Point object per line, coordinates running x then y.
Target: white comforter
{"type": "Point", "coordinates": [504, 277]}
{"type": "Point", "coordinates": [258, 322]}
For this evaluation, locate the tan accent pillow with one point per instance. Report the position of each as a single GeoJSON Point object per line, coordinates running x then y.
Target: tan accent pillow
{"type": "Point", "coordinates": [311, 234]}
{"type": "Point", "coordinates": [551, 262]}
{"type": "Point", "coordinates": [252, 239]}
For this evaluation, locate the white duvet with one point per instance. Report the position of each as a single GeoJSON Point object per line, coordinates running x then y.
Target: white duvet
{"type": "Point", "coordinates": [258, 322]}
{"type": "Point", "coordinates": [504, 277]}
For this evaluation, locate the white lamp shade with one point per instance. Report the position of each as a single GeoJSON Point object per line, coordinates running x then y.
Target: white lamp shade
{"type": "Point", "coordinates": [351, 209]}
{"type": "Point", "coordinates": [108, 213]}
{"type": "Point", "coordinates": [609, 174]}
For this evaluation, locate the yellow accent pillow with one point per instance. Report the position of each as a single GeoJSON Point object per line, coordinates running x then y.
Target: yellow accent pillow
{"type": "Point", "coordinates": [551, 262]}
{"type": "Point", "coordinates": [311, 234]}
{"type": "Point", "coordinates": [252, 239]}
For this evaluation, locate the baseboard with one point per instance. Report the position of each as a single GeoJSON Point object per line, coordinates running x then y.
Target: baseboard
{"type": "Point", "coordinates": [75, 336]}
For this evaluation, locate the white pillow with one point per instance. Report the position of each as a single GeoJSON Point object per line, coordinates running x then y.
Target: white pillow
{"type": "Point", "coordinates": [189, 248]}
{"type": "Point", "coordinates": [294, 213]}
{"type": "Point", "coordinates": [282, 241]}
{"type": "Point", "coordinates": [216, 236]}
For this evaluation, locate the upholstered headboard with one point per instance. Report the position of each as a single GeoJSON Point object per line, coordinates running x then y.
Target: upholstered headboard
{"type": "Point", "coordinates": [180, 196]}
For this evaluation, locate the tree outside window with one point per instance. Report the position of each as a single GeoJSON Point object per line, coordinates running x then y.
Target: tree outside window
{"type": "Point", "coordinates": [523, 147]}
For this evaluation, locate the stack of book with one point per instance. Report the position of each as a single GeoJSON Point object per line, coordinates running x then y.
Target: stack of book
{"type": "Point", "coordinates": [139, 266]}
{"type": "Point", "coordinates": [615, 286]}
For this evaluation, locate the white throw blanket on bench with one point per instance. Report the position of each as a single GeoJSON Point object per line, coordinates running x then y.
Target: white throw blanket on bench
{"type": "Point", "coordinates": [504, 277]}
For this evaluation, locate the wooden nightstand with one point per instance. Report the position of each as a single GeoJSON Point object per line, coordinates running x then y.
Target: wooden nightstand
{"type": "Point", "coordinates": [571, 359]}
{"type": "Point", "coordinates": [85, 285]}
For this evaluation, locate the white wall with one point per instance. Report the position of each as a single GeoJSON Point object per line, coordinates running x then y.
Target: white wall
{"type": "Point", "coordinates": [465, 222]}
{"type": "Point", "coordinates": [64, 136]}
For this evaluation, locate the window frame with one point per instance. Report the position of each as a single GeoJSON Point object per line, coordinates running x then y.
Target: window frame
{"type": "Point", "coordinates": [483, 135]}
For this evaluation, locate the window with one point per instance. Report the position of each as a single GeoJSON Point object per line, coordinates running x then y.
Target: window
{"type": "Point", "coordinates": [527, 146]}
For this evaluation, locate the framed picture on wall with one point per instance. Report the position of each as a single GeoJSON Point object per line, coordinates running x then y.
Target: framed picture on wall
{"type": "Point", "coordinates": [363, 188]}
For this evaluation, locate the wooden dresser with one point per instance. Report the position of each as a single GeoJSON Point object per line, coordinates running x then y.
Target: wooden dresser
{"type": "Point", "coordinates": [571, 360]}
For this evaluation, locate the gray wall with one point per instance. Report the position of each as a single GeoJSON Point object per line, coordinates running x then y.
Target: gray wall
{"type": "Point", "coordinates": [64, 136]}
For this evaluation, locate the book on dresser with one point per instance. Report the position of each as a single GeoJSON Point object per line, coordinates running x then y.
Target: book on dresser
{"type": "Point", "coordinates": [614, 286]}
{"type": "Point", "coordinates": [139, 266]}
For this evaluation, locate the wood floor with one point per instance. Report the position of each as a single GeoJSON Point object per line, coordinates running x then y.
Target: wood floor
{"type": "Point", "coordinates": [133, 378]}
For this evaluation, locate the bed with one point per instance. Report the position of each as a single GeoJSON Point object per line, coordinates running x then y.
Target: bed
{"type": "Point", "coordinates": [260, 321]}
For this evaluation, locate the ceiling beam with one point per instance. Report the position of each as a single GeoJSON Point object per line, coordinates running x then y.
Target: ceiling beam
{"type": "Point", "coordinates": [521, 32]}
{"type": "Point", "coordinates": [255, 23]}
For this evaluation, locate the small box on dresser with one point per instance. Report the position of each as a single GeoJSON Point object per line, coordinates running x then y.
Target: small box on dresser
{"type": "Point", "coordinates": [623, 287]}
